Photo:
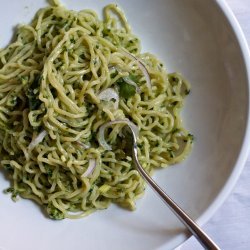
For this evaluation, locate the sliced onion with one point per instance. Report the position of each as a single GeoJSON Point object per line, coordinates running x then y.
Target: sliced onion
{"type": "Point", "coordinates": [90, 169]}
{"type": "Point", "coordinates": [37, 140]}
{"type": "Point", "coordinates": [100, 136]}
{"type": "Point", "coordinates": [109, 94]}
{"type": "Point", "coordinates": [85, 146]}
{"type": "Point", "coordinates": [141, 66]}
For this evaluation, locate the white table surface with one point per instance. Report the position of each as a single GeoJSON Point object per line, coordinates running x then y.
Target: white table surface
{"type": "Point", "coordinates": [230, 226]}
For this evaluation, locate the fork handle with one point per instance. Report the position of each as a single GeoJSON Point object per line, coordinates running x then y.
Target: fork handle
{"type": "Point", "coordinates": [200, 235]}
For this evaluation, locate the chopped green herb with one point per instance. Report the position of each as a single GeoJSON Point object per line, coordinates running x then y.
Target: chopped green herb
{"type": "Point", "coordinates": [32, 94]}
{"type": "Point", "coordinates": [126, 90]}
{"type": "Point", "coordinates": [55, 213]}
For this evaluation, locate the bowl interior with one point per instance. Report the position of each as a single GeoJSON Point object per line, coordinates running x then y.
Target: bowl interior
{"type": "Point", "coordinates": [191, 37]}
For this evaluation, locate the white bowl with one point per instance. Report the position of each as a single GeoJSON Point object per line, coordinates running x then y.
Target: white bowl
{"type": "Point", "coordinates": [202, 40]}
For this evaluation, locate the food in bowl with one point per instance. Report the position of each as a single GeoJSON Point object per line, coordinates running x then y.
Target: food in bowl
{"type": "Point", "coordinates": [70, 82]}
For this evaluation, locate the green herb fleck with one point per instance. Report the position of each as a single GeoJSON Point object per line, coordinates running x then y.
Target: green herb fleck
{"type": "Point", "coordinates": [126, 90]}
{"type": "Point", "coordinates": [91, 189]}
{"type": "Point", "coordinates": [175, 130]}
{"type": "Point", "coordinates": [134, 78]}
{"type": "Point", "coordinates": [106, 32]}
{"type": "Point", "coordinates": [33, 93]}
{"type": "Point", "coordinates": [173, 78]}
{"type": "Point", "coordinates": [191, 137]}
{"type": "Point", "coordinates": [114, 74]}
{"type": "Point", "coordinates": [55, 213]}
{"type": "Point", "coordinates": [24, 80]}
{"type": "Point", "coordinates": [48, 170]}
{"type": "Point", "coordinates": [13, 192]}
{"type": "Point", "coordinates": [9, 190]}
{"type": "Point", "coordinates": [12, 101]}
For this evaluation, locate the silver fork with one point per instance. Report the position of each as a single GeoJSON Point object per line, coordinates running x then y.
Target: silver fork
{"type": "Point", "coordinates": [194, 229]}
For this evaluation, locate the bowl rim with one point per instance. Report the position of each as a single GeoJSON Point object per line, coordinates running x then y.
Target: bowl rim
{"type": "Point", "coordinates": [220, 198]}
{"type": "Point", "coordinates": [245, 146]}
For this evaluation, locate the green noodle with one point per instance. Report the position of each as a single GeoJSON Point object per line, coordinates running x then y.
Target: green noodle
{"type": "Point", "coordinates": [51, 77]}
